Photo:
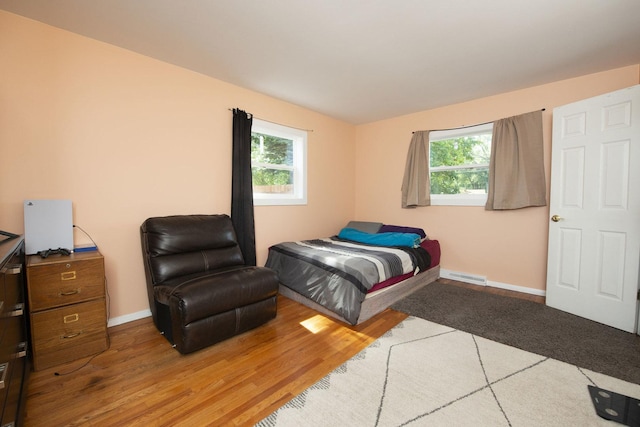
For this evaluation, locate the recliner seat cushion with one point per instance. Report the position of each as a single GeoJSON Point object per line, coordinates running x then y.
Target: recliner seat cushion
{"type": "Point", "coordinates": [205, 295]}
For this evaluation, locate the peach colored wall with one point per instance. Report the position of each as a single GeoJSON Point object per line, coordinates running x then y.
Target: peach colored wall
{"type": "Point", "coordinates": [126, 137]}
{"type": "Point", "coordinates": [507, 247]}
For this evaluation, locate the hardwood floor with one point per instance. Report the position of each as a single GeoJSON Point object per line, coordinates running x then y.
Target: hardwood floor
{"type": "Point", "coordinates": [141, 380]}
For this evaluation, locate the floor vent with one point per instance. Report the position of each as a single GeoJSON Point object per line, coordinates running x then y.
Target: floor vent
{"type": "Point", "coordinates": [464, 277]}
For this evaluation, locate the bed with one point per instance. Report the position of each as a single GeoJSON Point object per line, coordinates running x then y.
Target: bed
{"type": "Point", "coordinates": [358, 273]}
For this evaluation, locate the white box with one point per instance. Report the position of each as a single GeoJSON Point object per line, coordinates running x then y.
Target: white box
{"type": "Point", "coordinates": [48, 224]}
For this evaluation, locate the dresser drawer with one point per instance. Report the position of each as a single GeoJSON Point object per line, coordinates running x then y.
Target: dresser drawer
{"type": "Point", "coordinates": [64, 282]}
{"type": "Point", "coordinates": [13, 383]}
{"type": "Point", "coordinates": [67, 333]}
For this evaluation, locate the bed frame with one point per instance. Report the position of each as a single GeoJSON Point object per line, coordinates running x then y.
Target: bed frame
{"type": "Point", "coordinates": [375, 302]}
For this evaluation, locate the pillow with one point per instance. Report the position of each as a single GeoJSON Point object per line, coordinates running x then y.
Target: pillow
{"type": "Point", "coordinates": [364, 226]}
{"type": "Point", "coordinates": [409, 240]}
{"type": "Point", "coordinates": [401, 229]}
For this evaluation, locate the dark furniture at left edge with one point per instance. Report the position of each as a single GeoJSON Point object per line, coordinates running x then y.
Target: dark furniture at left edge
{"type": "Point", "coordinates": [14, 359]}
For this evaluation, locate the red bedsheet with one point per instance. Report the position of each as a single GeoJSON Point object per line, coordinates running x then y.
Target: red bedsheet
{"type": "Point", "coordinates": [431, 246]}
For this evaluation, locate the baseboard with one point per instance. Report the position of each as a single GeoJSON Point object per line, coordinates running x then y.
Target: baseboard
{"type": "Point", "coordinates": [516, 288]}
{"type": "Point", "coordinates": [475, 279]}
{"type": "Point", "coordinates": [114, 321]}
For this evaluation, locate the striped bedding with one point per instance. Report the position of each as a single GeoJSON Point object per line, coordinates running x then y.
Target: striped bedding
{"type": "Point", "coordinates": [337, 273]}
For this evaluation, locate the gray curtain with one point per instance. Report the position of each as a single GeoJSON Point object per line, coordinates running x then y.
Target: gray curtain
{"type": "Point", "coordinates": [516, 168]}
{"type": "Point", "coordinates": [415, 184]}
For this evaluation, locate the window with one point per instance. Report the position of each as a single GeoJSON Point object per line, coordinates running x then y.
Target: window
{"type": "Point", "coordinates": [278, 164]}
{"type": "Point", "coordinates": [459, 165]}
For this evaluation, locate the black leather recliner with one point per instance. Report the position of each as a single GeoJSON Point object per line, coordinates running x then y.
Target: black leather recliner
{"type": "Point", "coordinates": [200, 291]}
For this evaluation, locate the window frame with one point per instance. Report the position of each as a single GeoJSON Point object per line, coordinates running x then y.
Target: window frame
{"type": "Point", "coordinates": [299, 138]}
{"type": "Point", "coordinates": [458, 199]}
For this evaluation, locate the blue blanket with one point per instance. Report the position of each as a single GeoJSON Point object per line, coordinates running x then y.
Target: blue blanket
{"type": "Point", "coordinates": [409, 240]}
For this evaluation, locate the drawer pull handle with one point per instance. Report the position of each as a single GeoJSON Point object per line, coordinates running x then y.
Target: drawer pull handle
{"type": "Point", "coordinates": [70, 318]}
{"type": "Point", "coordinates": [3, 374]}
{"type": "Point", "coordinates": [22, 350]}
{"type": "Point", "coordinates": [71, 335]}
{"type": "Point", "coordinates": [68, 275]}
{"type": "Point", "coordinates": [69, 293]}
{"type": "Point", "coordinates": [12, 269]}
{"type": "Point", "coordinates": [18, 310]}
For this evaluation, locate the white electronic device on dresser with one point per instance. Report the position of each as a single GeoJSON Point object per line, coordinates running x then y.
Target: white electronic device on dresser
{"type": "Point", "coordinates": [48, 224]}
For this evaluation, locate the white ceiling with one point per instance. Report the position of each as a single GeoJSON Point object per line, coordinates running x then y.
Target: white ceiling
{"type": "Point", "coordinates": [364, 60]}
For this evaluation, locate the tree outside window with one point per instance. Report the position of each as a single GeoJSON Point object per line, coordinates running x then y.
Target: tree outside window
{"type": "Point", "coordinates": [278, 164]}
{"type": "Point", "coordinates": [272, 163]}
{"type": "Point", "coordinates": [459, 165]}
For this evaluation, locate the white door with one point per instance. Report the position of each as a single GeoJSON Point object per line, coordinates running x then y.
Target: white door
{"type": "Point", "coordinates": [594, 229]}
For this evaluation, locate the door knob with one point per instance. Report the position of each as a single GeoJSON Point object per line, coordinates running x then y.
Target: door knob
{"type": "Point", "coordinates": [556, 218]}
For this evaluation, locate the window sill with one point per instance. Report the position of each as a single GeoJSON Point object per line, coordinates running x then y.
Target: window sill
{"type": "Point", "coordinates": [458, 199]}
{"type": "Point", "coordinates": [278, 201]}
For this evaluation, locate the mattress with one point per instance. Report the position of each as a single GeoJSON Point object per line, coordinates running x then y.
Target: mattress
{"type": "Point", "coordinates": [339, 275]}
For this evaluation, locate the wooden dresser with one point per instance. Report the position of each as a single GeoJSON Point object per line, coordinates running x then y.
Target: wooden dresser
{"type": "Point", "coordinates": [14, 348]}
{"type": "Point", "coordinates": [67, 307]}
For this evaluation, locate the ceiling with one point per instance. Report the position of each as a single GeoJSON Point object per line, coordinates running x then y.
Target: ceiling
{"type": "Point", "coordinates": [364, 60]}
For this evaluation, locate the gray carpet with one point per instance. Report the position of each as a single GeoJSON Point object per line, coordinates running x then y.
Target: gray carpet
{"type": "Point", "coordinates": [529, 326]}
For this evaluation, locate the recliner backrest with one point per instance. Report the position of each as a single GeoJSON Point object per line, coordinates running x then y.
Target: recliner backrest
{"type": "Point", "coordinates": [180, 245]}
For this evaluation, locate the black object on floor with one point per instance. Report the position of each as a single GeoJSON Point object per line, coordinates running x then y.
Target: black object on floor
{"type": "Point", "coordinates": [615, 407]}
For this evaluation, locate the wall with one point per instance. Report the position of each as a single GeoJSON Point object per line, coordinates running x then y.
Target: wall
{"type": "Point", "coordinates": [509, 248]}
{"type": "Point", "coordinates": [126, 137]}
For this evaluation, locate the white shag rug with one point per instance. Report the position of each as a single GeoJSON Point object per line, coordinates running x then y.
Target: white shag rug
{"type": "Point", "coordinates": [424, 374]}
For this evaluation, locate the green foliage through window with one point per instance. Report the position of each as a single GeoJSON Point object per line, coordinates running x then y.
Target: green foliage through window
{"type": "Point", "coordinates": [271, 160]}
{"type": "Point", "coordinates": [278, 164]}
{"type": "Point", "coordinates": [460, 165]}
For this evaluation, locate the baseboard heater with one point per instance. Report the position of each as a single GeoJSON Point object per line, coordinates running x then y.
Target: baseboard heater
{"type": "Point", "coordinates": [464, 277]}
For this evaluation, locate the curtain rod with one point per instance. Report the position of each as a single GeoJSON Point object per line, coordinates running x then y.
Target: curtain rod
{"type": "Point", "coordinates": [461, 127]}
{"type": "Point", "coordinates": [275, 123]}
